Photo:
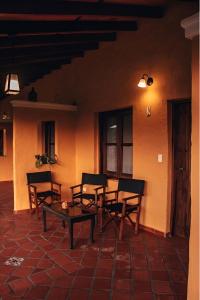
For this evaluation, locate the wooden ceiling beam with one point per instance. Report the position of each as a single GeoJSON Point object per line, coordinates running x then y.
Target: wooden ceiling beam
{"type": "Point", "coordinates": [13, 53]}
{"type": "Point", "coordinates": [16, 27]}
{"type": "Point", "coordinates": [36, 63]}
{"type": "Point", "coordinates": [66, 8]}
{"type": "Point", "coordinates": [34, 59]}
{"type": "Point", "coordinates": [41, 55]}
{"type": "Point", "coordinates": [39, 40]}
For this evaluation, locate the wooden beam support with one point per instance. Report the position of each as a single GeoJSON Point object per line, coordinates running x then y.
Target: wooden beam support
{"type": "Point", "coordinates": [34, 60]}
{"type": "Point", "coordinates": [12, 53]}
{"type": "Point", "coordinates": [33, 65]}
{"type": "Point", "coordinates": [16, 27]}
{"type": "Point", "coordinates": [41, 56]}
{"type": "Point", "coordinates": [77, 8]}
{"type": "Point", "coordinates": [41, 40]}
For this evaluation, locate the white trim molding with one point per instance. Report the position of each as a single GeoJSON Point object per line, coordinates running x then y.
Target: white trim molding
{"type": "Point", "coordinates": [191, 26]}
{"type": "Point", "coordinates": [43, 105]}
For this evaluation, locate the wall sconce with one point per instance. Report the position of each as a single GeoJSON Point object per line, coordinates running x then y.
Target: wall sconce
{"type": "Point", "coordinates": [145, 80]}
{"type": "Point", "coordinates": [12, 84]}
{"type": "Point", "coordinates": [148, 111]}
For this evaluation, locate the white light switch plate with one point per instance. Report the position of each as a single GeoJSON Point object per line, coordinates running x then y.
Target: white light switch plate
{"type": "Point", "coordinates": [160, 158]}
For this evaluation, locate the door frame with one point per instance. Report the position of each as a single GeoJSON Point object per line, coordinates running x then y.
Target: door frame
{"type": "Point", "coordinates": [171, 204]}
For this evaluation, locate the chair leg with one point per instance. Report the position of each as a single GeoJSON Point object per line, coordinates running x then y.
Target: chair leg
{"type": "Point", "coordinates": [107, 222]}
{"type": "Point", "coordinates": [30, 205]}
{"type": "Point", "coordinates": [137, 223]}
{"type": "Point", "coordinates": [100, 211]}
{"type": "Point", "coordinates": [121, 228]}
{"type": "Point", "coordinates": [37, 210]}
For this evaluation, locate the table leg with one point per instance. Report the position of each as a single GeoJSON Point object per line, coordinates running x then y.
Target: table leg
{"type": "Point", "coordinates": [92, 229]}
{"type": "Point", "coordinates": [70, 226]}
{"type": "Point", "coordinates": [44, 219]}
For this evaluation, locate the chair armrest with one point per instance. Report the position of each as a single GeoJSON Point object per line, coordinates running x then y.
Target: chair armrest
{"type": "Point", "coordinates": [103, 199]}
{"type": "Point", "coordinates": [31, 186]}
{"type": "Point", "coordinates": [132, 197]}
{"type": "Point", "coordinates": [58, 189]}
{"type": "Point", "coordinates": [56, 183]}
{"type": "Point", "coordinates": [32, 191]}
{"type": "Point", "coordinates": [98, 188]}
{"type": "Point", "coordinates": [110, 192]}
{"type": "Point", "coordinates": [75, 186]}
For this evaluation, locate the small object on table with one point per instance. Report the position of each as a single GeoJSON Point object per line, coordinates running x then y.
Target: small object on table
{"type": "Point", "coordinates": [64, 205]}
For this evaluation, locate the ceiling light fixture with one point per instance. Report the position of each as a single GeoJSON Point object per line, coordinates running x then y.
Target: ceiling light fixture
{"type": "Point", "coordinates": [145, 80]}
{"type": "Point", "coordinates": [12, 84]}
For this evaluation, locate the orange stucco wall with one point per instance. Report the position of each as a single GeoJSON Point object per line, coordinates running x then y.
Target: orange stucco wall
{"type": "Point", "coordinates": [6, 161]}
{"type": "Point", "coordinates": [27, 143]}
{"type": "Point", "coordinates": [107, 79]}
{"type": "Point", "coordinates": [193, 280]}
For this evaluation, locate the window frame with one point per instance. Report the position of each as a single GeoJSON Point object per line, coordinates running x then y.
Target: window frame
{"type": "Point", "coordinates": [2, 142]}
{"type": "Point", "coordinates": [103, 118]}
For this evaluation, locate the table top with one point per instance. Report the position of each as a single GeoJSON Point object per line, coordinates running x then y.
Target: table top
{"type": "Point", "coordinates": [70, 212]}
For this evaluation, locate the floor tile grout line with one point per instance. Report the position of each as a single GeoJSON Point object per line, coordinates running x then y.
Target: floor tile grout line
{"type": "Point", "coordinates": [149, 269]}
{"type": "Point", "coordinates": [94, 274]}
{"type": "Point", "coordinates": [113, 269]}
{"type": "Point", "coordinates": [70, 290]}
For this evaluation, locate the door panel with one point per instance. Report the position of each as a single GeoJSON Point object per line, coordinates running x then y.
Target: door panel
{"type": "Point", "coordinates": [181, 140]}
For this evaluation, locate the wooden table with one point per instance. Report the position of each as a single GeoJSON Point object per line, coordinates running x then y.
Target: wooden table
{"type": "Point", "coordinates": [71, 215]}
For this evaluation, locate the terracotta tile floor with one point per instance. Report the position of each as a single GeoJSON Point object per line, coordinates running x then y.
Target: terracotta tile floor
{"type": "Point", "coordinates": [141, 267]}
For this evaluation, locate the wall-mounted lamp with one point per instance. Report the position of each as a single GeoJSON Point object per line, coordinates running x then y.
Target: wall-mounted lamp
{"type": "Point", "coordinates": [145, 80]}
{"type": "Point", "coordinates": [148, 111]}
{"type": "Point", "coordinates": [12, 84]}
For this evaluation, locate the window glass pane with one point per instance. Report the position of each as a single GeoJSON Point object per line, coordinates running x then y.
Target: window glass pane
{"type": "Point", "coordinates": [111, 130]}
{"type": "Point", "coordinates": [127, 128]}
{"type": "Point", "coordinates": [127, 160]}
{"type": "Point", "coordinates": [52, 151]}
{"type": "Point", "coordinates": [112, 158]}
{"type": "Point", "coordinates": [49, 138]}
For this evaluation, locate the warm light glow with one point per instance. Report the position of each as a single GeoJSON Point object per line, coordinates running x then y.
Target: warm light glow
{"type": "Point", "coordinates": [12, 84]}
{"type": "Point", "coordinates": [142, 83]}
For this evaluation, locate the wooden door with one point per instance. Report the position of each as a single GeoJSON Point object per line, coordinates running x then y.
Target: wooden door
{"type": "Point", "coordinates": [181, 144]}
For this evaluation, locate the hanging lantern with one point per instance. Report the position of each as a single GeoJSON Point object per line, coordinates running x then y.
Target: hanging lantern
{"type": "Point", "coordinates": [12, 84]}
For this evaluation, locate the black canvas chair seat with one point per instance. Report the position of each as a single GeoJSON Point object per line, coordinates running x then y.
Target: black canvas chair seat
{"type": "Point", "coordinates": [117, 207]}
{"type": "Point", "coordinates": [85, 196]}
{"type": "Point", "coordinates": [119, 210]}
{"type": "Point", "coordinates": [36, 197]}
{"type": "Point", "coordinates": [46, 194]}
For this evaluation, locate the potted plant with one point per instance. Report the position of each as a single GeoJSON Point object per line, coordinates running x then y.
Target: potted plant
{"type": "Point", "coordinates": [42, 159]}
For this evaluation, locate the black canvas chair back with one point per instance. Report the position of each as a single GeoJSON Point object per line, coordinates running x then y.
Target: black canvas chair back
{"type": "Point", "coordinates": [39, 177]}
{"type": "Point", "coordinates": [135, 186]}
{"type": "Point", "coordinates": [94, 179]}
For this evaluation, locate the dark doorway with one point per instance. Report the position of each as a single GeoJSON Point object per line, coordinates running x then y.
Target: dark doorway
{"type": "Point", "coordinates": [181, 157]}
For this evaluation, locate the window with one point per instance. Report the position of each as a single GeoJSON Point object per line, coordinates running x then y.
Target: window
{"type": "Point", "coordinates": [116, 143]}
{"type": "Point", "coordinates": [2, 141]}
{"type": "Point", "coordinates": [49, 138]}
